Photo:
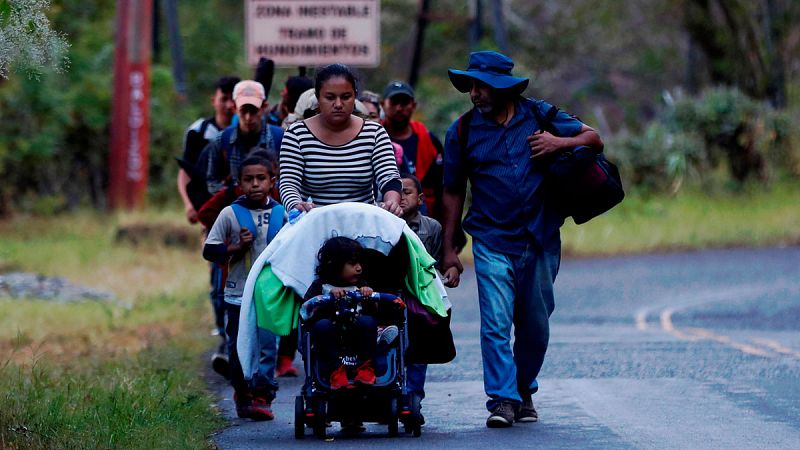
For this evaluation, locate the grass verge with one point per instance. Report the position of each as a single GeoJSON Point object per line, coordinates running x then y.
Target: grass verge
{"type": "Point", "coordinates": [97, 374]}
{"type": "Point", "coordinates": [693, 219]}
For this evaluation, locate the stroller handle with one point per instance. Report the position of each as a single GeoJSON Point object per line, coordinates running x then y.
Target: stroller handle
{"type": "Point", "coordinates": [308, 307]}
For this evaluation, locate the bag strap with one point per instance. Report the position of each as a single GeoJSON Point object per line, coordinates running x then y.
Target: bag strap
{"type": "Point", "coordinates": [545, 121]}
{"type": "Point", "coordinates": [275, 221]}
{"type": "Point", "coordinates": [204, 126]}
{"type": "Point", "coordinates": [225, 140]}
{"type": "Point", "coordinates": [462, 129]}
{"type": "Point", "coordinates": [245, 220]}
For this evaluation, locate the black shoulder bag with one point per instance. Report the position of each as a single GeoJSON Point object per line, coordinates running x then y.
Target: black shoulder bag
{"type": "Point", "coordinates": [581, 181]}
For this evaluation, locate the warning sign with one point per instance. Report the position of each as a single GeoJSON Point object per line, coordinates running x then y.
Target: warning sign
{"type": "Point", "coordinates": [313, 32]}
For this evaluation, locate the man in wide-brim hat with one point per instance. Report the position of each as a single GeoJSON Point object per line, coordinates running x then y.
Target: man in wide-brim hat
{"type": "Point", "coordinates": [501, 146]}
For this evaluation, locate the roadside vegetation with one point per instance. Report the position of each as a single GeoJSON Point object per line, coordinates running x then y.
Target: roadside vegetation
{"type": "Point", "coordinates": [753, 216]}
{"type": "Point", "coordinates": [95, 374]}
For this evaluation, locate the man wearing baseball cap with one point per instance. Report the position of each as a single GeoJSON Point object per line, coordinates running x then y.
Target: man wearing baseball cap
{"type": "Point", "coordinates": [422, 150]}
{"type": "Point", "coordinates": [501, 147]}
{"type": "Point", "coordinates": [234, 143]}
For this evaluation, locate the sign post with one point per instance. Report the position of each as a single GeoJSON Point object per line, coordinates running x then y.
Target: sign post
{"type": "Point", "coordinates": [130, 121]}
{"type": "Point", "coordinates": [313, 32]}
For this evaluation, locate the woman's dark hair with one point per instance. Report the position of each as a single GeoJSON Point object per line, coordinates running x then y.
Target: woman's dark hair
{"type": "Point", "coordinates": [332, 71]}
{"type": "Point", "coordinates": [333, 255]}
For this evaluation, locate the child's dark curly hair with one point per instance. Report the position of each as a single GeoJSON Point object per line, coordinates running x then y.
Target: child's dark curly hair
{"type": "Point", "coordinates": [333, 255]}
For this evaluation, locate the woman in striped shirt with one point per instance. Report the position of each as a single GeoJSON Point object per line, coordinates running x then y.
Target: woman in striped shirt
{"type": "Point", "coordinates": [335, 156]}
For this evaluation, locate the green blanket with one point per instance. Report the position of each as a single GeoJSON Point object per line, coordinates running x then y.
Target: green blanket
{"type": "Point", "coordinates": [420, 278]}
{"type": "Point", "coordinates": [277, 307]}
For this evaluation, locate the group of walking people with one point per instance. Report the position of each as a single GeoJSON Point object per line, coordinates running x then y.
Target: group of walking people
{"type": "Point", "coordinates": [242, 176]}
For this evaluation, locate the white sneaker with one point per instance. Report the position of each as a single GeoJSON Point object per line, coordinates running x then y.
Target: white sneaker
{"type": "Point", "coordinates": [387, 335]}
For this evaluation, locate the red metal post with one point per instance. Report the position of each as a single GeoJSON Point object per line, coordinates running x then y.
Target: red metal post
{"type": "Point", "coordinates": [130, 121]}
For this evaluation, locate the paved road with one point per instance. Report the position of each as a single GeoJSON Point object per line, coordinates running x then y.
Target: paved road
{"type": "Point", "coordinates": [689, 350]}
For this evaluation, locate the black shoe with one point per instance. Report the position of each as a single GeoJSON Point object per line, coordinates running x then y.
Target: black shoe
{"type": "Point", "coordinates": [526, 412]}
{"type": "Point", "coordinates": [502, 416]}
{"type": "Point", "coordinates": [219, 362]}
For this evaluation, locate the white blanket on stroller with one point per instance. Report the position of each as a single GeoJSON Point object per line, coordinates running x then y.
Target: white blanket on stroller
{"type": "Point", "coordinates": [293, 255]}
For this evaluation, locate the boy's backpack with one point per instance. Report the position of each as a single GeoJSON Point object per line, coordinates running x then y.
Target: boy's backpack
{"type": "Point", "coordinates": [581, 182]}
{"type": "Point", "coordinates": [245, 220]}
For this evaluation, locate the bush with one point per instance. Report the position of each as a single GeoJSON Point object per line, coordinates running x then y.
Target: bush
{"type": "Point", "coordinates": [722, 130]}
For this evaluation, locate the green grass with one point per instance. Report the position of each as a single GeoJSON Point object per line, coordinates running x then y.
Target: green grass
{"type": "Point", "coordinates": [151, 400]}
{"type": "Point", "coordinates": [97, 374]}
{"type": "Point", "coordinates": [755, 217]}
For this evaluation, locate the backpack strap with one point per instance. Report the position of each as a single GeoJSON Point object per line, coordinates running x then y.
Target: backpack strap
{"type": "Point", "coordinates": [267, 141]}
{"type": "Point", "coordinates": [275, 221]}
{"type": "Point", "coordinates": [545, 120]}
{"type": "Point", "coordinates": [462, 129]}
{"type": "Point", "coordinates": [245, 220]}
{"type": "Point", "coordinates": [225, 141]}
{"type": "Point", "coordinates": [204, 126]}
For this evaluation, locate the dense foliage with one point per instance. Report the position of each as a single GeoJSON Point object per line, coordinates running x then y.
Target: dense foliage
{"type": "Point", "coordinates": [609, 62]}
{"type": "Point", "coordinates": [722, 131]}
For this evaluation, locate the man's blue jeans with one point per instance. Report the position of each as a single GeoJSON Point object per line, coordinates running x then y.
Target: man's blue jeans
{"type": "Point", "coordinates": [514, 290]}
{"type": "Point", "coordinates": [416, 379]}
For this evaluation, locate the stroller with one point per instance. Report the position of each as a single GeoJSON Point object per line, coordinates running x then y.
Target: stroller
{"type": "Point", "coordinates": [384, 402]}
{"type": "Point", "coordinates": [399, 264]}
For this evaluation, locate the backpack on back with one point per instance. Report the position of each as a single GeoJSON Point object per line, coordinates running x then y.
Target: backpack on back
{"type": "Point", "coordinates": [245, 220]}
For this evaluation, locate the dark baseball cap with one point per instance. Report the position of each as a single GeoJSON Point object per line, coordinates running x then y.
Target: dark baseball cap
{"type": "Point", "coordinates": [398, 88]}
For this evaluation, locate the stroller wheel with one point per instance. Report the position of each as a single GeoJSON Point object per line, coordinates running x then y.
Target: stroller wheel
{"type": "Point", "coordinates": [393, 415]}
{"type": "Point", "coordinates": [299, 417]}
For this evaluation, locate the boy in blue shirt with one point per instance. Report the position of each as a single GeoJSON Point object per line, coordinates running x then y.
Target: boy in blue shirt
{"type": "Point", "coordinates": [240, 233]}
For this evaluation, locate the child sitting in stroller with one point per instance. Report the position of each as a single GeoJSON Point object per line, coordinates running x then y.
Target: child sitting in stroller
{"type": "Point", "coordinates": [339, 274]}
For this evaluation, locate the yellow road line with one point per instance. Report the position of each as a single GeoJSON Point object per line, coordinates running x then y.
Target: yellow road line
{"type": "Point", "coordinates": [777, 347]}
{"type": "Point", "coordinates": [696, 334]}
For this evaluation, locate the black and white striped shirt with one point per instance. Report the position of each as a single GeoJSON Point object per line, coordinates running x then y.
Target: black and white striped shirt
{"type": "Point", "coordinates": [336, 173]}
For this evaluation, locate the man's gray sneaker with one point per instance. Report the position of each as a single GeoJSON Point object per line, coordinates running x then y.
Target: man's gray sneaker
{"type": "Point", "coordinates": [502, 416]}
{"type": "Point", "coordinates": [526, 412]}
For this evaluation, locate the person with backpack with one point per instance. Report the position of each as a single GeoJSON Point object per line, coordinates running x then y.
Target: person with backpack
{"type": "Point", "coordinates": [240, 233]}
{"type": "Point", "coordinates": [191, 184]}
{"type": "Point", "coordinates": [502, 147]}
{"type": "Point", "coordinates": [229, 149]}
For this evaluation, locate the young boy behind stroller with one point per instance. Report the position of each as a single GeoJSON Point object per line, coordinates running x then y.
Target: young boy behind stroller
{"type": "Point", "coordinates": [340, 271]}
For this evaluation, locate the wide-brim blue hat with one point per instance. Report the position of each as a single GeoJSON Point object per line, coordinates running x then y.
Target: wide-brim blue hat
{"type": "Point", "coordinates": [491, 68]}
